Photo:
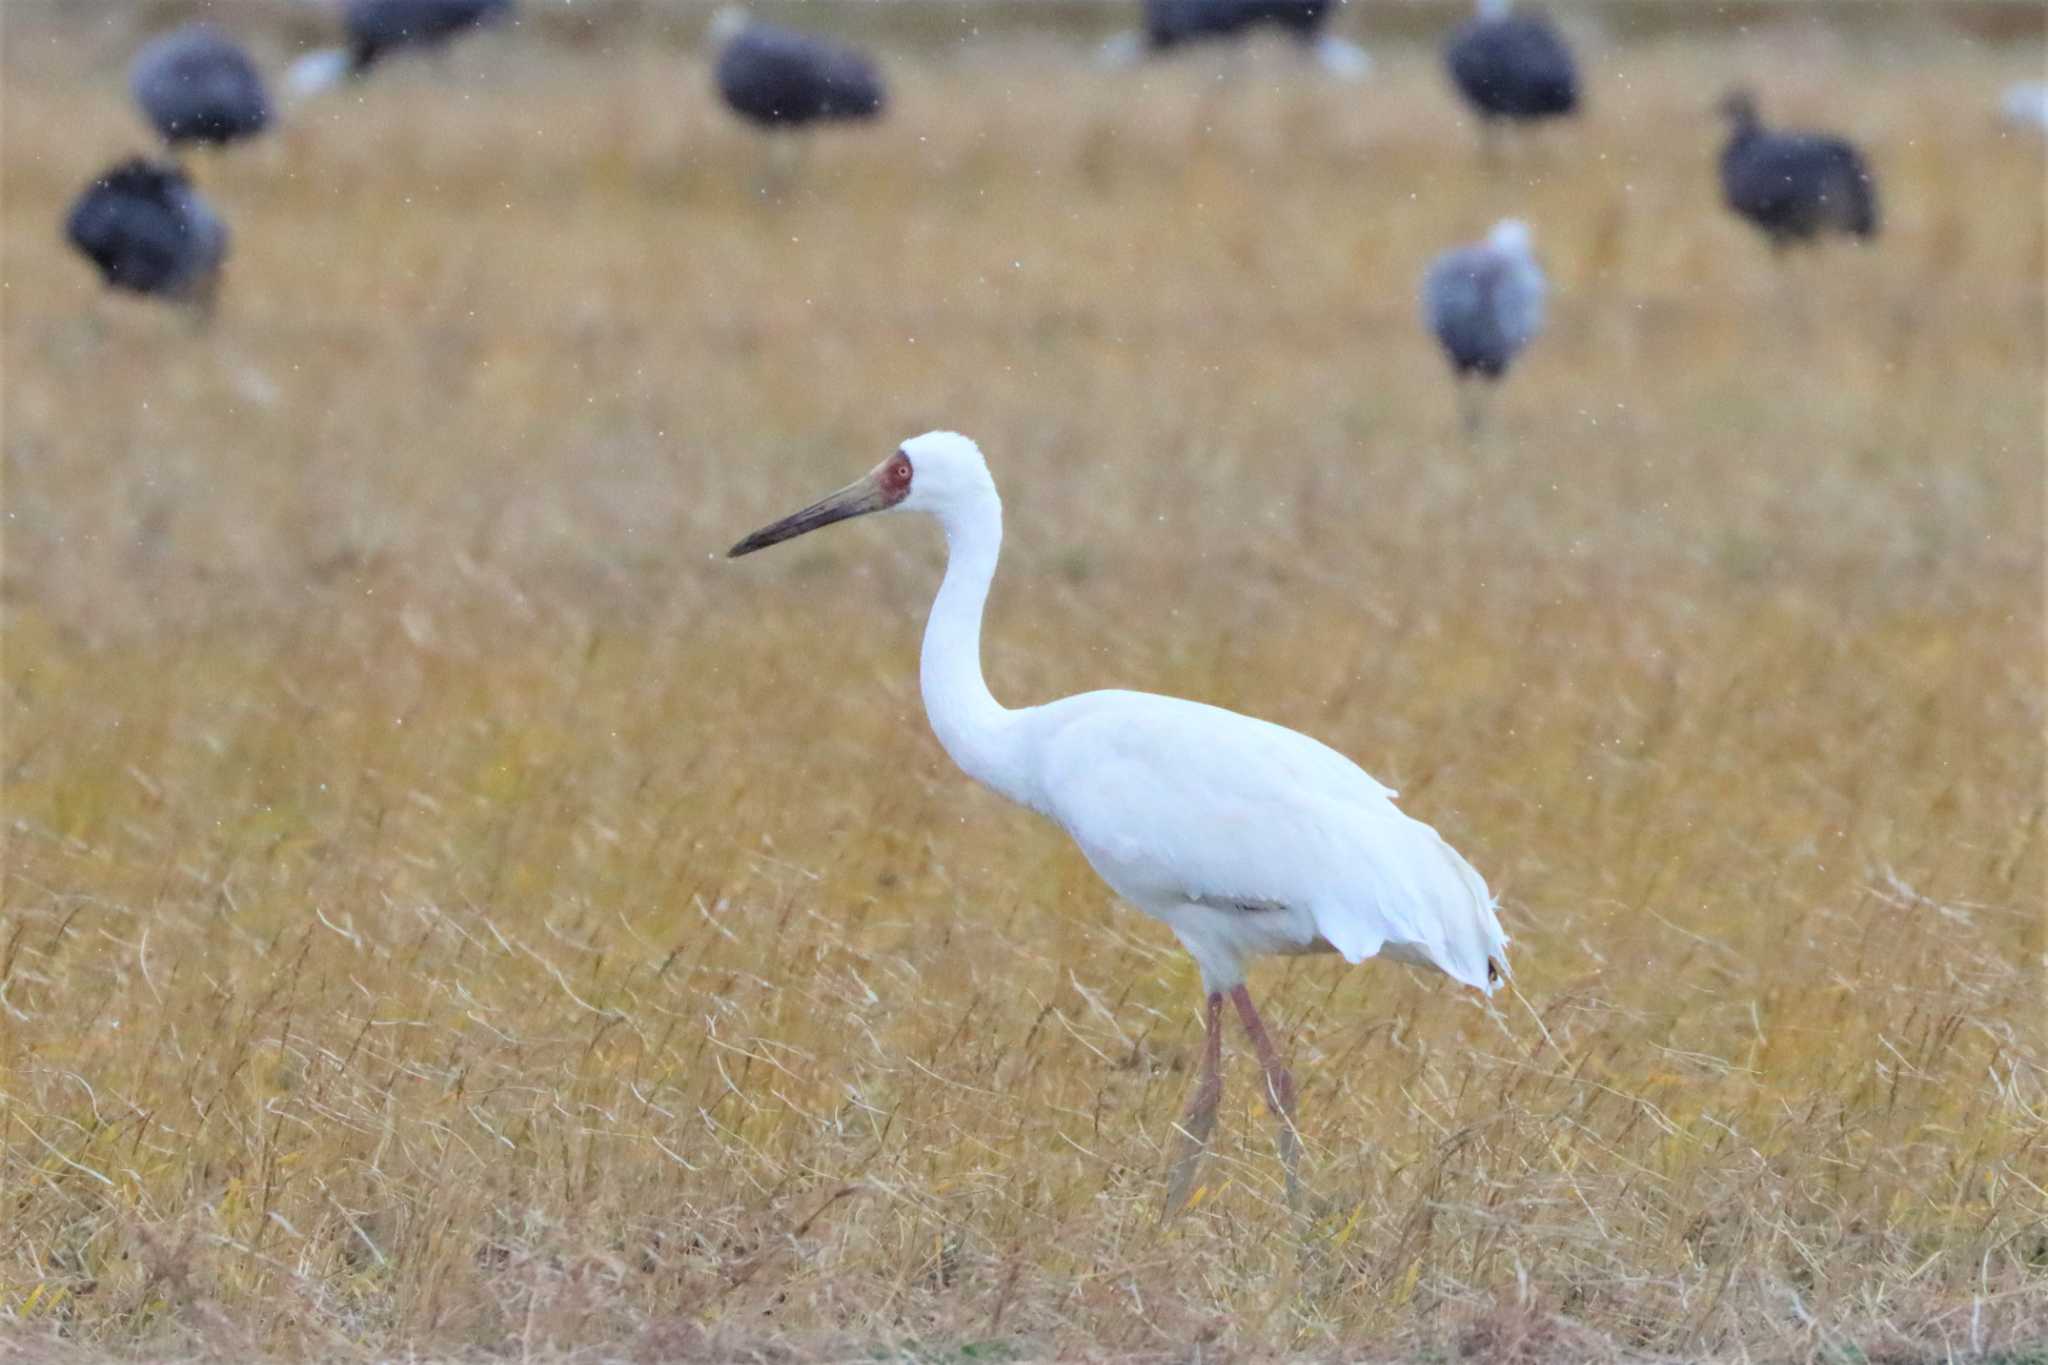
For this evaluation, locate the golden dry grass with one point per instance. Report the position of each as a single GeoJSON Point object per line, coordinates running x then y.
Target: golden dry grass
{"type": "Point", "coordinates": [449, 907]}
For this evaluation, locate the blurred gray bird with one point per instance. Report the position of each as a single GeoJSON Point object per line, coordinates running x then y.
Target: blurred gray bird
{"type": "Point", "coordinates": [375, 29]}
{"type": "Point", "coordinates": [1484, 303]}
{"type": "Point", "coordinates": [196, 84]}
{"type": "Point", "coordinates": [778, 78]}
{"type": "Point", "coordinates": [1171, 24]}
{"type": "Point", "coordinates": [148, 232]}
{"type": "Point", "coordinates": [1795, 187]}
{"type": "Point", "coordinates": [1512, 67]}
{"type": "Point", "coordinates": [2025, 105]}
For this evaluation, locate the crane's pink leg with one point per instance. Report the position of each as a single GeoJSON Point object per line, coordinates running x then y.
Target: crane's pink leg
{"type": "Point", "coordinates": [1200, 1119]}
{"type": "Point", "coordinates": [1279, 1090]}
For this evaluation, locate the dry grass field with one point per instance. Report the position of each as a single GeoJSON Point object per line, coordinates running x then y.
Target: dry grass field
{"type": "Point", "coordinates": [450, 908]}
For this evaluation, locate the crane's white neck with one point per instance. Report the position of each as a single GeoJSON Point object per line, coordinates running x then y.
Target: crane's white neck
{"type": "Point", "coordinates": [976, 730]}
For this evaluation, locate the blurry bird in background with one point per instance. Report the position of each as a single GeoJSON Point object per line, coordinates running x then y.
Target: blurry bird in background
{"type": "Point", "coordinates": [785, 82]}
{"type": "Point", "coordinates": [2025, 105]}
{"type": "Point", "coordinates": [1169, 25]}
{"type": "Point", "coordinates": [1513, 68]}
{"type": "Point", "coordinates": [195, 84]}
{"type": "Point", "coordinates": [778, 78]}
{"type": "Point", "coordinates": [147, 231]}
{"type": "Point", "coordinates": [1794, 186]}
{"type": "Point", "coordinates": [1484, 303]}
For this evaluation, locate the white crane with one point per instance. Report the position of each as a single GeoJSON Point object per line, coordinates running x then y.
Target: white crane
{"type": "Point", "coordinates": [1244, 837]}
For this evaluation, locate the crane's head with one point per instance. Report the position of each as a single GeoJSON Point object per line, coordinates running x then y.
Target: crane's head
{"type": "Point", "coordinates": [728, 23]}
{"type": "Point", "coordinates": [934, 473]}
{"type": "Point", "coordinates": [1510, 235]}
{"type": "Point", "coordinates": [1738, 106]}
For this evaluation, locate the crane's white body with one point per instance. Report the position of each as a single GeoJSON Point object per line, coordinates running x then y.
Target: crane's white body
{"type": "Point", "coordinates": [1244, 837]}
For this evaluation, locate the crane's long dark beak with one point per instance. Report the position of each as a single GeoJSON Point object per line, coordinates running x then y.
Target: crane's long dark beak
{"type": "Point", "coordinates": [863, 495]}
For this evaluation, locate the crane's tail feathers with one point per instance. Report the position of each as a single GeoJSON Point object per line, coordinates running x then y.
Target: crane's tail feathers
{"type": "Point", "coordinates": [1421, 903]}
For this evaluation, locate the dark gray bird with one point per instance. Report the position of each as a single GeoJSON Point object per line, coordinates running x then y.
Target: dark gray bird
{"type": "Point", "coordinates": [148, 231]}
{"type": "Point", "coordinates": [1512, 68]}
{"type": "Point", "coordinates": [1794, 186]}
{"type": "Point", "coordinates": [777, 78]}
{"type": "Point", "coordinates": [1171, 24]}
{"type": "Point", "coordinates": [196, 84]}
{"type": "Point", "coordinates": [377, 28]}
{"type": "Point", "coordinates": [1484, 303]}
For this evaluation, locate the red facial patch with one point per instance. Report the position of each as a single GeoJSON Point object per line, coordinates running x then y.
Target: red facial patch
{"type": "Point", "coordinates": [896, 478]}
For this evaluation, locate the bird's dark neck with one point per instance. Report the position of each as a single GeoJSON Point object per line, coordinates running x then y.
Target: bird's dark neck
{"type": "Point", "coordinates": [1743, 125]}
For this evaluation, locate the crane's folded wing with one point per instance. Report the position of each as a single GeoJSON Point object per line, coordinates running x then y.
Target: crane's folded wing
{"type": "Point", "coordinates": [1175, 802]}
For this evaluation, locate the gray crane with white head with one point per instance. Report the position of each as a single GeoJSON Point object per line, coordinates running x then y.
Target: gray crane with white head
{"type": "Point", "coordinates": [1484, 303]}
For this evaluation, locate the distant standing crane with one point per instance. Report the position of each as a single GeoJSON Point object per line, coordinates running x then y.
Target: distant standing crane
{"type": "Point", "coordinates": [1172, 24]}
{"type": "Point", "coordinates": [777, 78]}
{"type": "Point", "coordinates": [1512, 67]}
{"type": "Point", "coordinates": [1795, 187]}
{"type": "Point", "coordinates": [783, 82]}
{"type": "Point", "coordinates": [196, 84]}
{"type": "Point", "coordinates": [1243, 837]}
{"type": "Point", "coordinates": [148, 232]}
{"type": "Point", "coordinates": [1484, 303]}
